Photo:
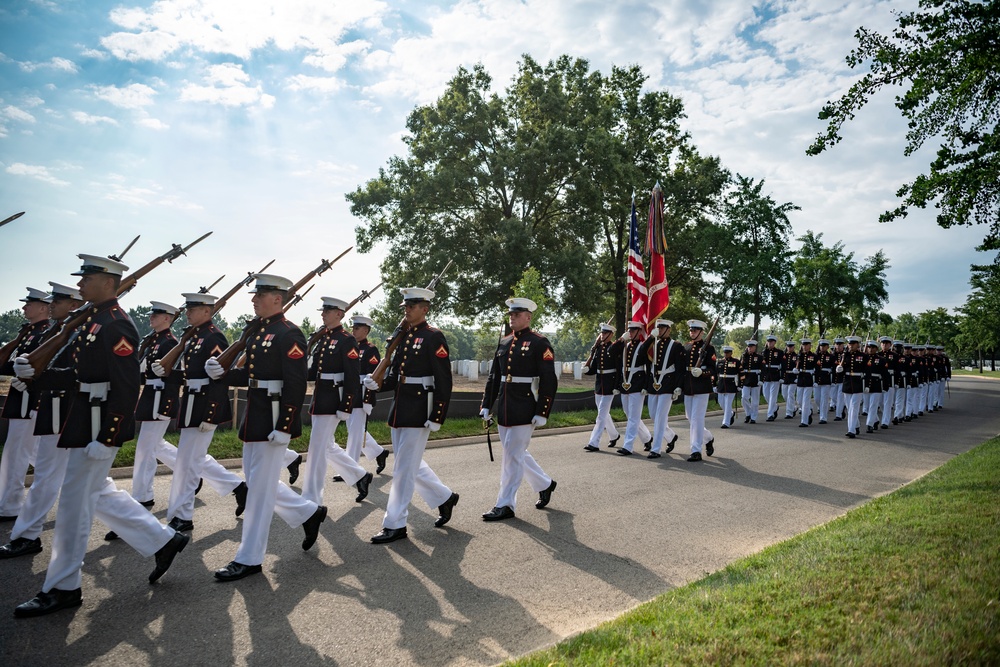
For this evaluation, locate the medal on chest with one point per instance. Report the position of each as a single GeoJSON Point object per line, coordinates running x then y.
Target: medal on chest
{"type": "Point", "coordinates": [267, 342]}
{"type": "Point", "coordinates": [92, 333]}
{"type": "Point", "coordinates": [417, 344]}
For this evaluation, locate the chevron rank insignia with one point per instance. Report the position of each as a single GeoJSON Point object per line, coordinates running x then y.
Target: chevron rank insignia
{"type": "Point", "coordinates": [548, 356]}
{"type": "Point", "coordinates": [123, 348]}
{"type": "Point", "coordinates": [442, 352]}
{"type": "Point", "coordinates": [296, 352]}
{"type": "Point", "coordinates": [373, 361]}
{"type": "Point", "coordinates": [353, 354]}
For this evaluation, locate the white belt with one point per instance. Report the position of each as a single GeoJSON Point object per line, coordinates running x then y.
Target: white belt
{"type": "Point", "coordinates": [728, 376]}
{"type": "Point", "coordinates": [197, 384]}
{"type": "Point", "coordinates": [98, 394]}
{"type": "Point", "coordinates": [752, 371]}
{"type": "Point", "coordinates": [155, 383]}
{"type": "Point", "coordinates": [856, 375]}
{"type": "Point", "coordinates": [272, 386]}
{"type": "Point", "coordinates": [775, 366]}
{"type": "Point", "coordinates": [809, 371]}
{"type": "Point", "coordinates": [426, 380]}
{"type": "Point", "coordinates": [521, 379]}
{"type": "Point", "coordinates": [606, 371]}
{"type": "Point", "coordinates": [634, 369]}
{"type": "Point", "coordinates": [336, 377]}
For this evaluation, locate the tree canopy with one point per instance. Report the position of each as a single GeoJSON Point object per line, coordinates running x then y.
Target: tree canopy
{"type": "Point", "coordinates": [945, 55]}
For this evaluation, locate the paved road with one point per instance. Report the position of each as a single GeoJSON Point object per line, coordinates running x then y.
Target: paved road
{"type": "Point", "coordinates": [618, 532]}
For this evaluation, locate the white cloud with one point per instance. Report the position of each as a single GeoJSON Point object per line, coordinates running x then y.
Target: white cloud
{"type": "Point", "coordinates": [153, 123]}
{"type": "Point", "coordinates": [33, 101]}
{"type": "Point", "coordinates": [20, 115]}
{"type": "Point", "coordinates": [87, 119]}
{"type": "Point", "coordinates": [58, 64]}
{"type": "Point", "coordinates": [95, 54]}
{"type": "Point", "coordinates": [318, 84]}
{"type": "Point", "coordinates": [34, 171]}
{"type": "Point", "coordinates": [132, 96]}
{"type": "Point", "coordinates": [228, 87]}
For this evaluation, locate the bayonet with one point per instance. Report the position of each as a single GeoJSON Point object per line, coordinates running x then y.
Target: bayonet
{"type": "Point", "coordinates": [12, 218]}
{"type": "Point", "coordinates": [119, 256]}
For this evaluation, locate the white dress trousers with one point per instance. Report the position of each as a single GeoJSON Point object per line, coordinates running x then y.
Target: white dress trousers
{"type": "Point", "coordinates": [726, 402]}
{"type": "Point", "coordinates": [659, 410]}
{"type": "Point", "coordinates": [635, 427]}
{"type": "Point", "coordinates": [191, 452]}
{"type": "Point", "coordinates": [50, 470]}
{"type": "Point", "coordinates": [604, 421]}
{"type": "Point", "coordinates": [359, 441]}
{"type": "Point", "coordinates": [323, 449]}
{"type": "Point", "coordinates": [517, 464]}
{"type": "Point", "coordinates": [409, 474]}
{"type": "Point", "coordinates": [694, 409]}
{"type": "Point", "coordinates": [18, 453]}
{"type": "Point", "coordinates": [751, 401]}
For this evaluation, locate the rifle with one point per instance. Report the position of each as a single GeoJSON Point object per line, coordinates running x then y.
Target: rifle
{"type": "Point", "coordinates": [231, 353]}
{"type": "Point", "coordinates": [708, 341]}
{"type": "Point", "coordinates": [379, 373]}
{"type": "Point", "coordinates": [295, 299]}
{"type": "Point", "coordinates": [487, 423]}
{"type": "Point", "coordinates": [7, 351]}
{"type": "Point", "coordinates": [12, 218]}
{"type": "Point", "coordinates": [169, 360]}
{"type": "Point", "coordinates": [44, 353]}
{"type": "Point", "coordinates": [147, 340]}
{"type": "Point", "coordinates": [119, 256]}
{"type": "Point", "coordinates": [314, 338]}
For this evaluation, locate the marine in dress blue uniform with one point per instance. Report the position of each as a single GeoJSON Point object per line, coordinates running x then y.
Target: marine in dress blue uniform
{"type": "Point", "coordinates": [771, 358]}
{"type": "Point", "coordinates": [854, 366]}
{"type": "Point", "coordinates": [275, 375]}
{"type": "Point", "coordinates": [632, 387]}
{"type": "Point", "coordinates": [806, 367]}
{"type": "Point", "coordinates": [699, 363]}
{"type": "Point", "coordinates": [359, 440]}
{"type": "Point", "coordinates": [663, 378]}
{"type": "Point", "coordinates": [522, 383]}
{"type": "Point", "coordinates": [603, 363]}
{"type": "Point", "coordinates": [728, 373]}
{"type": "Point", "coordinates": [751, 368]}
{"type": "Point", "coordinates": [419, 376]}
{"type": "Point", "coordinates": [101, 417]}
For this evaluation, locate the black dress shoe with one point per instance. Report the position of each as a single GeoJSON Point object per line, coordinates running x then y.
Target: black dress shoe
{"type": "Point", "coordinates": [789, 416]}
{"type": "Point", "coordinates": [695, 457]}
{"type": "Point", "coordinates": [746, 420]}
{"type": "Point", "coordinates": [884, 427]}
{"type": "Point", "coordinates": [201, 482]}
{"type": "Point", "coordinates": [389, 535]}
{"type": "Point", "coordinates": [624, 452]}
{"type": "Point", "coordinates": [235, 571]}
{"type": "Point", "coordinates": [311, 526]}
{"type": "Point", "coordinates": [771, 418]}
{"type": "Point", "coordinates": [380, 461]}
{"type": "Point", "coordinates": [7, 519]}
{"type": "Point", "coordinates": [46, 603]}
{"type": "Point", "coordinates": [21, 546]}
{"type": "Point", "coordinates": [670, 445]}
{"type": "Point", "coordinates": [653, 455]}
{"type": "Point", "coordinates": [545, 495]}
{"type": "Point", "coordinates": [895, 421]}
{"type": "Point", "coordinates": [592, 448]}
{"type": "Point", "coordinates": [499, 514]}
{"type": "Point", "coordinates": [822, 421]}
{"type": "Point", "coordinates": [110, 536]}
{"type": "Point", "coordinates": [614, 443]}
{"type": "Point", "coordinates": [241, 497]}
{"type": "Point", "coordinates": [810, 419]}
{"type": "Point", "coordinates": [724, 426]}
{"type": "Point", "coordinates": [293, 469]}
{"type": "Point", "coordinates": [165, 556]}
{"type": "Point", "coordinates": [803, 425]}
{"type": "Point", "coordinates": [181, 525]}
{"type": "Point", "coordinates": [857, 430]}
{"type": "Point", "coordinates": [837, 419]}
{"type": "Point", "coordinates": [648, 445]}
{"type": "Point", "coordinates": [850, 434]}
{"type": "Point", "coordinates": [870, 430]}
{"type": "Point", "coordinates": [753, 421]}
{"type": "Point", "coordinates": [444, 510]}
{"type": "Point", "coordinates": [710, 447]}
{"type": "Point", "coordinates": [362, 487]}
{"type": "Point", "coordinates": [149, 503]}
{"type": "Point", "coordinates": [337, 478]}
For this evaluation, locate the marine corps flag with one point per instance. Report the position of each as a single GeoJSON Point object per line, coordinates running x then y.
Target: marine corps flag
{"type": "Point", "coordinates": [658, 292]}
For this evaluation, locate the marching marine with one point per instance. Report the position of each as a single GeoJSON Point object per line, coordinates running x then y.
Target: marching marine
{"type": "Point", "coordinates": [632, 386]}
{"type": "Point", "coordinates": [751, 365]}
{"type": "Point", "coordinates": [771, 360]}
{"type": "Point", "coordinates": [728, 372]}
{"type": "Point", "coordinates": [854, 365]}
{"type": "Point", "coordinates": [663, 378]}
{"type": "Point", "coordinates": [699, 362]}
{"type": "Point", "coordinates": [603, 362]}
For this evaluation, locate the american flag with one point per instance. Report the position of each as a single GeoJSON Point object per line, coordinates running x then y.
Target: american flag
{"type": "Point", "coordinates": [636, 271]}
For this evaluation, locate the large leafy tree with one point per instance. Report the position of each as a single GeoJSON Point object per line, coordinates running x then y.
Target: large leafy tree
{"type": "Point", "coordinates": [537, 177]}
{"type": "Point", "coordinates": [945, 56]}
{"type": "Point", "coordinates": [754, 255]}
{"type": "Point", "coordinates": [833, 290]}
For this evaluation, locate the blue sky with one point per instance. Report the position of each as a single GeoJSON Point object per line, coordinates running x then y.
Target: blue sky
{"type": "Point", "coordinates": [253, 118]}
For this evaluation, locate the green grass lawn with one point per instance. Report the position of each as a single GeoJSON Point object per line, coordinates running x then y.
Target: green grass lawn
{"type": "Point", "coordinates": [911, 578]}
{"type": "Point", "coordinates": [985, 374]}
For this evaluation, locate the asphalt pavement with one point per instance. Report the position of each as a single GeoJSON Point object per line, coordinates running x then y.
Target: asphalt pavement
{"type": "Point", "coordinates": [618, 532]}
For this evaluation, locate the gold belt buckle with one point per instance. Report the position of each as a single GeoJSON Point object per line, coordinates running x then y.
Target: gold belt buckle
{"type": "Point", "coordinates": [656, 386]}
{"type": "Point", "coordinates": [626, 385]}
{"type": "Point", "coordinates": [510, 378]}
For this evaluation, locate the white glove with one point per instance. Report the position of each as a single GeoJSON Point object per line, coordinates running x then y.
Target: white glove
{"type": "Point", "coordinates": [158, 370]}
{"type": "Point", "coordinates": [677, 393]}
{"type": "Point", "coordinates": [99, 452]}
{"type": "Point", "coordinates": [17, 384]}
{"type": "Point", "coordinates": [538, 420]}
{"type": "Point", "coordinates": [484, 413]}
{"type": "Point", "coordinates": [206, 427]}
{"type": "Point", "coordinates": [867, 390]}
{"type": "Point", "coordinates": [367, 407]}
{"type": "Point", "coordinates": [840, 369]}
{"type": "Point", "coordinates": [23, 368]}
{"type": "Point", "coordinates": [696, 372]}
{"type": "Point", "coordinates": [279, 438]}
{"type": "Point", "coordinates": [615, 392]}
{"type": "Point", "coordinates": [585, 368]}
{"type": "Point", "coordinates": [164, 418]}
{"type": "Point", "coordinates": [433, 426]}
{"type": "Point", "coordinates": [795, 371]}
{"type": "Point", "coordinates": [370, 383]}
{"type": "Point", "coordinates": [143, 365]}
{"type": "Point", "coordinates": [342, 416]}
{"type": "Point", "coordinates": [214, 368]}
